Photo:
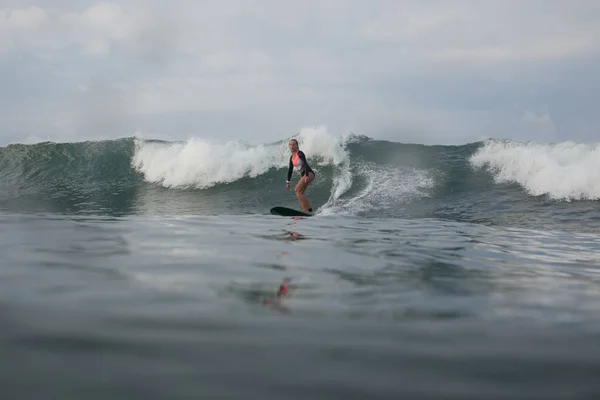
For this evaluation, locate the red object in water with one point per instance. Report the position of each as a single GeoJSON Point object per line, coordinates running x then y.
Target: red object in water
{"type": "Point", "coordinates": [283, 290]}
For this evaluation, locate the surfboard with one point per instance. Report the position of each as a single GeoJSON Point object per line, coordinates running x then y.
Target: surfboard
{"type": "Point", "coordinates": [288, 212]}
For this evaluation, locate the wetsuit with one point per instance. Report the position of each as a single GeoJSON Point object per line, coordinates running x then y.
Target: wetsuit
{"type": "Point", "coordinates": [298, 160]}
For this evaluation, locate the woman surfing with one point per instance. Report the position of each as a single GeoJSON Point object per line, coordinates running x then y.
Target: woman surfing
{"type": "Point", "coordinates": [307, 175]}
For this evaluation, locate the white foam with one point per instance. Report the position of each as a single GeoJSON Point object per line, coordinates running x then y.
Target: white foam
{"type": "Point", "coordinates": [387, 186]}
{"type": "Point", "coordinates": [318, 142]}
{"type": "Point", "coordinates": [202, 163]}
{"type": "Point", "coordinates": [563, 171]}
{"type": "Point", "coordinates": [332, 150]}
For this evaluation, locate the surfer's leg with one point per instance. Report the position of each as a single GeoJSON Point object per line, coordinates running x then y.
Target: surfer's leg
{"type": "Point", "coordinates": [303, 202]}
{"type": "Point", "coordinates": [300, 188]}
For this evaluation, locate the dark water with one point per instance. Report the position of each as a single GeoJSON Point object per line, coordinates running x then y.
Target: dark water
{"type": "Point", "coordinates": [136, 269]}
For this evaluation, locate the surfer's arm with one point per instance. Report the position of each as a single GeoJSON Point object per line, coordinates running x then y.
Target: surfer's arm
{"type": "Point", "coordinates": [304, 167]}
{"type": "Point", "coordinates": [290, 169]}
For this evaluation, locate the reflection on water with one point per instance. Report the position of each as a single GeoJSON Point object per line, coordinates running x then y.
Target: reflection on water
{"type": "Point", "coordinates": [223, 307]}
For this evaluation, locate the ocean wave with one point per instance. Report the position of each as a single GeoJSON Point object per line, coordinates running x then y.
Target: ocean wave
{"type": "Point", "coordinates": [491, 182]}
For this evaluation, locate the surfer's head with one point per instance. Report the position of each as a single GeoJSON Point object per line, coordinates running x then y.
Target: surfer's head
{"type": "Point", "coordinates": [293, 145]}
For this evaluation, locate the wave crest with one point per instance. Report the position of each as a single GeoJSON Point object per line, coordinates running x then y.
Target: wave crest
{"type": "Point", "coordinates": [562, 171]}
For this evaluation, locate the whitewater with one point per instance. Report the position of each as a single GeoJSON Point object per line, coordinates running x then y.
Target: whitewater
{"type": "Point", "coordinates": [152, 269]}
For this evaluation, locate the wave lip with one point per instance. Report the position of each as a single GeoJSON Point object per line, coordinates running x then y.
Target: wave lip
{"type": "Point", "coordinates": [198, 163]}
{"type": "Point", "coordinates": [562, 171]}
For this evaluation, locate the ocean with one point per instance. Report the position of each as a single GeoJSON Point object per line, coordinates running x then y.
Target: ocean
{"type": "Point", "coordinates": [148, 269]}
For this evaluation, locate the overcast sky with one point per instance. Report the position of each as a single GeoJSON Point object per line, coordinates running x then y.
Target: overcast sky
{"type": "Point", "coordinates": [426, 71]}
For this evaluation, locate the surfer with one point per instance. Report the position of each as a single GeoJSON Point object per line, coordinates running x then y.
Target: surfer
{"type": "Point", "coordinates": [307, 175]}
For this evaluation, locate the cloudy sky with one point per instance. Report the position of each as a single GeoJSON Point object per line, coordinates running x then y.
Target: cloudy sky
{"type": "Point", "coordinates": [434, 72]}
